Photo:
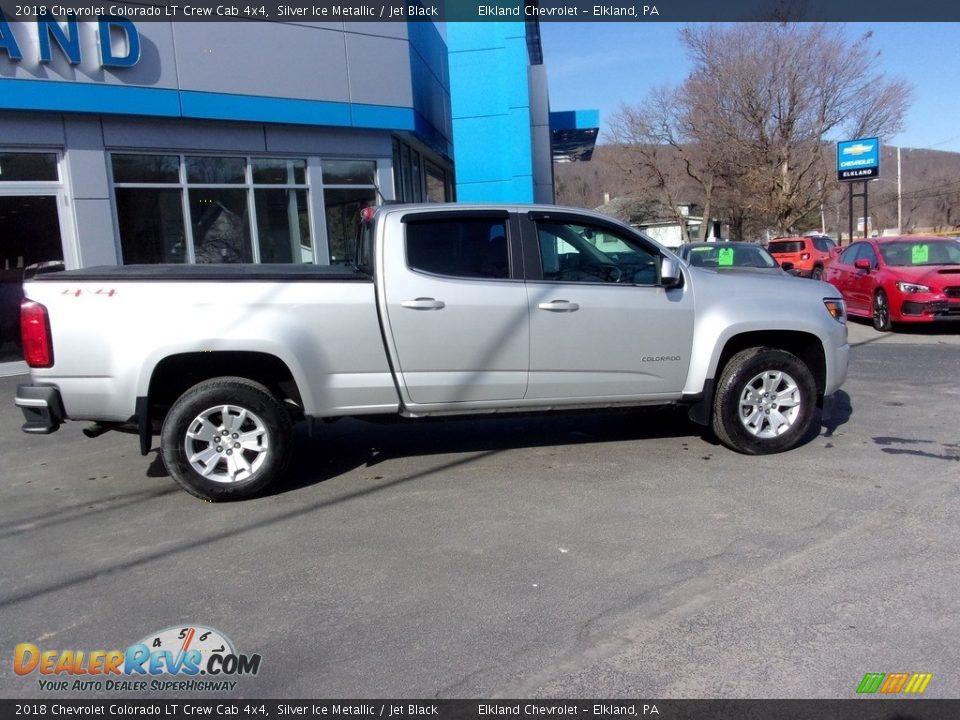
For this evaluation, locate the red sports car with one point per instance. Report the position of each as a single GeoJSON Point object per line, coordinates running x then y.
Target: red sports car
{"type": "Point", "coordinates": [899, 279]}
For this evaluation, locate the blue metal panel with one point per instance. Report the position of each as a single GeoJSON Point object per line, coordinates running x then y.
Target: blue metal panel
{"type": "Point", "coordinates": [88, 97]}
{"type": "Point", "coordinates": [381, 116]}
{"type": "Point", "coordinates": [219, 106]}
{"type": "Point", "coordinates": [490, 102]}
{"type": "Point", "coordinates": [575, 120]}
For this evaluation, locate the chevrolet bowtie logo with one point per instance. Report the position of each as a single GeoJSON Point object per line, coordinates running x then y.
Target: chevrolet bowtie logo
{"type": "Point", "coordinates": [858, 149]}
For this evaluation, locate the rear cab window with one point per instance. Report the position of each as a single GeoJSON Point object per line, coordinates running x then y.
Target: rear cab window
{"type": "Point", "coordinates": [461, 247]}
{"type": "Point", "coordinates": [782, 247]}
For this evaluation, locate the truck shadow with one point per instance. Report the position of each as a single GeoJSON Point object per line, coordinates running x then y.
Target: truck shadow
{"type": "Point", "coordinates": [340, 447]}
{"type": "Point", "coordinates": [348, 444]}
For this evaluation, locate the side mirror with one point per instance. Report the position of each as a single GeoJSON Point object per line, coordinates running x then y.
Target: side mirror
{"type": "Point", "coordinates": [862, 264]}
{"type": "Point", "coordinates": [670, 275]}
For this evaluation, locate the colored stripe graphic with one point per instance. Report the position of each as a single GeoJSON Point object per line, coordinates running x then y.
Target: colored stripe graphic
{"type": "Point", "coordinates": [918, 683]}
{"type": "Point", "coordinates": [871, 682]}
{"type": "Point", "coordinates": [913, 683]}
{"type": "Point", "coordinates": [894, 683]}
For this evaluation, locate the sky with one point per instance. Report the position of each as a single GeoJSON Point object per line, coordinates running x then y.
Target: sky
{"type": "Point", "coordinates": [604, 65]}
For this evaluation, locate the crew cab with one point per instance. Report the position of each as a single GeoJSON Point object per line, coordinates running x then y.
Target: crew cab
{"type": "Point", "coordinates": [447, 309]}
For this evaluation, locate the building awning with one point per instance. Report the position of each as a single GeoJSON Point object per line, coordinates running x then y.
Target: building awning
{"type": "Point", "coordinates": [573, 134]}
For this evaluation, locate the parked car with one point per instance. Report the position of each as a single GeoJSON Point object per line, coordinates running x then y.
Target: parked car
{"type": "Point", "coordinates": [899, 279]}
{"type": "Point", "coordinates": [447, 310]}
{"type": "Point", "coordinates": [731, 256]}
{"type": "Point", "coordinates": [809, 254]}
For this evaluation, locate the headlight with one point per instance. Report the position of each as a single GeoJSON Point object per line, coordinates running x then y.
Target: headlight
{"type": "Point", "coordinates": [836, 309]}
{"type": "Point", "coordinates": [912, 287]}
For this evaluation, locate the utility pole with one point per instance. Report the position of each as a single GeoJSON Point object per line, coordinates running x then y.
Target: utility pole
{"type": "Point", "coordinates": [899, 197]}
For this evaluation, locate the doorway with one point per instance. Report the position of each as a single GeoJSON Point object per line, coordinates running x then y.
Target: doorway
{"type": "Point", "coordinates": [29, 233]}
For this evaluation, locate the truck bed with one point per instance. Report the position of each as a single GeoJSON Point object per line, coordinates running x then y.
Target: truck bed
{"type": "Point", "coordinates": [206, 273]}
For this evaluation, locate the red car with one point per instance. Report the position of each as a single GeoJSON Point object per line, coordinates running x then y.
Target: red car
{"type": "Point", "coordinates": [807, 254]}
{"type": "Point", "coordinates": [899, 279]}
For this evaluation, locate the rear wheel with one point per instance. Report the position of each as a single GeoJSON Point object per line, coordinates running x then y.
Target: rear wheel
{"type": "Point", "coordinates": [817, 273]}
{"type": "Point", "coordinates": [765, 402]}
{"type": "Point", "coordinates": [226, 438]}
{"type": "Point", "coordinates": [881, 312]}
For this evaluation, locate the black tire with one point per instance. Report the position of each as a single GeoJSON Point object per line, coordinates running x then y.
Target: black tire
{"type": "Point", "coordinates": [881, 312]}
{"type": "Point", "coordinates": [817, 273]}
{"type": "Point", "coordinates": [746, 421]}
{"type": "Point", "coordinates": [260, 433]}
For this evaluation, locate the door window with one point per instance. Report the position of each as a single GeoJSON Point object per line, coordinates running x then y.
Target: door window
{"type": "Point", "coordinates": [582, 253]}
{"type": "Point", "coordinates": [466, 248]}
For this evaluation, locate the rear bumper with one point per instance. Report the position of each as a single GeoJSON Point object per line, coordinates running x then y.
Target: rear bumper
{"type": "Point", "coordinates": [42, 408]}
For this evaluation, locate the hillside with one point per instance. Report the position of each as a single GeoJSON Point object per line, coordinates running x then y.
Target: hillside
{"type": "Point", "coordinates": [930, 190]}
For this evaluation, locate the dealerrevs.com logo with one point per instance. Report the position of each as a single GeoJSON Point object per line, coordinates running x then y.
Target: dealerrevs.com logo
{"type": "Point", "coordinates": [191, 658]}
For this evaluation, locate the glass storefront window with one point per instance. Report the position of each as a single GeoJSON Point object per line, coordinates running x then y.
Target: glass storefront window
{"type": "Point", "coordinates": [349, 172]}
{"type": "Point", "coordinates": [415, 178]}
{"type": "Point", "coordinates": [146, 169]}
{"type": "Point", "coordinates": [151, 225]}
{"type": "Point", "coordinates": [283, 226]}
{"type": "Point", "coordinates": [221, 227]}
{"type": "Point", "coordinates": [436, 184]}
{"type": "Point", "coordinates": [216, 170]}
{"type": "Point", "coordinates": [343, 206]}
{"type": "Point", "coordinates": [28, 167]}
{"type": "Point", "coordinates": [217, 226]}
{"type": "Point", "coordinates": [268, 171]}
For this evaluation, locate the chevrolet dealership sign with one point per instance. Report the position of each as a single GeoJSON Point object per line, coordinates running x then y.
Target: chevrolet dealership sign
{"type": "Point", "coordinates": [858, 159]}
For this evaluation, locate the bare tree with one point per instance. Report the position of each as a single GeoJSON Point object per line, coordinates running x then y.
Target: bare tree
{"type": "Point", "coordinates": [752, 124]}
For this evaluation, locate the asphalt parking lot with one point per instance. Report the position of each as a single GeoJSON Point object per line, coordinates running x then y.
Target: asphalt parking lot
{"type": "Point", "coordinates": [589, 555]}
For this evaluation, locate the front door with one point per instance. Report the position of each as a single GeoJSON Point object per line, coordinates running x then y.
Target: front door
{"type": "Point", "coordinates": [602, 328]}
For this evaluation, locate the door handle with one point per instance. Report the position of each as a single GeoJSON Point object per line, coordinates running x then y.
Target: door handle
{"type": "Point", "coordinates": [559, 306]}
{"type": "Point", "coordinates": [423, 303]}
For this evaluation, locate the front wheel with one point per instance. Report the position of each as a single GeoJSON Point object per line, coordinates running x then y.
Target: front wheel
{"type": "Point", "coordinates": [765, 402]}
{"type": "Point", "coordinates": [881, 312]}
{"type": "Point", "coordinates": [226, 438]}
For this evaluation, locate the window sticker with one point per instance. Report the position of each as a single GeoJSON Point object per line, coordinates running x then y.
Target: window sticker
{"type": "Point", "coordinates": [920, 254]}
{"type": "Point", "coordinates": [725, 257]}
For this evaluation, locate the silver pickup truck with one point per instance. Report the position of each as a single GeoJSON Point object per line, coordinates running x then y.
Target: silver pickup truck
{"type": "Point", "coordinates": [448, 309]}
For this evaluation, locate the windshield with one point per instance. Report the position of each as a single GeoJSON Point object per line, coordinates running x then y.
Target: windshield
{"type": "Point", "coordinates": [909, 253]}
{"type": "Point", "coordinates": [721, 256]}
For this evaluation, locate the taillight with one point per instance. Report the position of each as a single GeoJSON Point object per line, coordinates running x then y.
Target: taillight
{"type": "Point", "coordinates": [804, 256]}
{"type": "Point", "coordinates": [35, 332]}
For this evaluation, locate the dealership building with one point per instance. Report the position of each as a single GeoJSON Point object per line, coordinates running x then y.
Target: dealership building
{"type": "Point", "coordinates": [128, 142]}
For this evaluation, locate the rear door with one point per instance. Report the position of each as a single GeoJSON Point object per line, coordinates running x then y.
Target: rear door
{"type": "Point", "coordinates": [456, 306]}
{"type": "Point", "coordinates": [601, 325]}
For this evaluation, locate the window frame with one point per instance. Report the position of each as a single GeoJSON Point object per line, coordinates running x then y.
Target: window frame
{"type": "Point", "coordinates": [183, 186]}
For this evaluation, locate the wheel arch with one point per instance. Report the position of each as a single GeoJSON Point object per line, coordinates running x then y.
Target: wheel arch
{"type": "Point", "coordinates": [806, 346]}
{"type": "Point", "coordinates": [177, 373]}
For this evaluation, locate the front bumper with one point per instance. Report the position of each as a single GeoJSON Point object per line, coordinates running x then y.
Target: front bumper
{"type": "Point", "coordinates": [926, 311]}
{"type": "Point", "coordinates": [42, 408]}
